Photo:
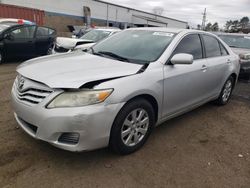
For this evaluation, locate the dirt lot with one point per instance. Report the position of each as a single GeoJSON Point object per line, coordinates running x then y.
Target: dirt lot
{"type": "Point", "coordinates": [208, 147]}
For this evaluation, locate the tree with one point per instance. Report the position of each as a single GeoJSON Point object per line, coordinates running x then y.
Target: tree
{"type": "Point", "coordinates": [236, 23]}
{"type": "Point", "coordinates": [208, 27]}
{"type": "Point", "coordinates": [215, 27]}
{"type": "Point", "coordinates": [244, 21]}
{"type": "Point", "coordinates": [158, 10]}
{"type": "Point", "coordinates": [199, 27]}
{"type": "Point", "coordinates": [238, 26]}
{"type": "Point", "coordinates": [228, 25]}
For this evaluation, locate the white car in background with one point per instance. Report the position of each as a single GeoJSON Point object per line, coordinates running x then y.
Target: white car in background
{"type": "Point", "coordinates": [64, 45]}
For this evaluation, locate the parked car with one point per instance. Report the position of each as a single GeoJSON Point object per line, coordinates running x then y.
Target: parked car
{"type": "Point", "coordinates": [80, 32]}
{"type": "Point", "coordinates": [240, 44]}
{"type": "Point", "coordinates": [115, 94]}
{"type": "Point", "coordinates": [24, 39]}
{"type": "Point", "coordinates": [64, 45]}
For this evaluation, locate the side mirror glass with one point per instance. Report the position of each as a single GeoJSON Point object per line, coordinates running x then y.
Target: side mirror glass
{"type": "Point", "coordinates": [182, 59]}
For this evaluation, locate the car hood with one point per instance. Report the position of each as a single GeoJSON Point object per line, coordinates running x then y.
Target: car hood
{"type": "Point", "coordinates": [70, 43]}
{"type": "Point", "coordinates": [239, 51]}
{"type": "Point", "coordinates": [85, 46]}
{"type": "Point", "coordinates": [73, 70]}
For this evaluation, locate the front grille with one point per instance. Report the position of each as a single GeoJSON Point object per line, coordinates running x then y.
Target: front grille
{"type": "Point", "coordinates": [69, 138]}
{"type": "Point", "coordinates": [31, 92]}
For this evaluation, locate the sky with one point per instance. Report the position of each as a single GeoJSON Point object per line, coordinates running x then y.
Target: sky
{"type": "Point", "coordinates": [191, 10]}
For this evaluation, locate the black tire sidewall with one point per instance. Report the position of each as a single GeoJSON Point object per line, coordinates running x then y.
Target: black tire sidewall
{"type": "Point", "coordinates": [49, 50]}
{"type": "Point", "coordinates": [116, 142]}
{"type": "Point", "coordinates": [1, 61]}
{"type": "Point", "coordinates": [220, 99]}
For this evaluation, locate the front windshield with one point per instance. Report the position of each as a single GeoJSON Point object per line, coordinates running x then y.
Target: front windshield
{"type": "Point", "coordinates": [96, 35]}
{"type": "Point", "coordinates": [236, 41]}
{"type": "Point", "coordinates": [137, 46]}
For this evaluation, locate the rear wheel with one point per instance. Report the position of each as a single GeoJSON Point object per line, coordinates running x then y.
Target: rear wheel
{"type": "Point", "coordinates": [132, 127]}
{"type": "Point", "coordinates": [49, 51]}
{"type": "Point", "coordinates": [226, 91]}
{"type": "Point", "coordinates": [1, 58]}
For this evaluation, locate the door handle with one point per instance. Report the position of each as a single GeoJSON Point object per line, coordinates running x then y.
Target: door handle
{"type": "Point", "coordinates": [228, 61]}
{"type": "Point", "coordinates": [204, 68]}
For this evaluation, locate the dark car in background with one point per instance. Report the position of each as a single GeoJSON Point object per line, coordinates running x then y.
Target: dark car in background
{"type": "Point", "coordinates": [240, 44]}
{"type": "Point", "coordinates": [24, 39]}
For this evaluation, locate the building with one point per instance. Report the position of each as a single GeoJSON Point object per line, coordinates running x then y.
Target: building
{"type": "Point", "coordinates": [61, 13]}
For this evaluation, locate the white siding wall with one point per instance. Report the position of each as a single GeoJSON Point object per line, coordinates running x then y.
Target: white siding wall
{"type": "Point", "coordinates": [98, 10]}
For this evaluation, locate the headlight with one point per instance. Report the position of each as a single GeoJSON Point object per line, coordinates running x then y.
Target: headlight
{"type": "Point", "coordinates": [245, 56]}
{"type": "Point", "coordinates": [80, 98]}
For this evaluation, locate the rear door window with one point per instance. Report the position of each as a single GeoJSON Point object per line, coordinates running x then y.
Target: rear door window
{"type": "Point", "coordinates": [44, 32]}
{"type": "Point", "coordinates": [190, 44]}
{"type": "Point", "coordinates": [51, 31]}
{"type": "Point", "coordinates": [212, 46]}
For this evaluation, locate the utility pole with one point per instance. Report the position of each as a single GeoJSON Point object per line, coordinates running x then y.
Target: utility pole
{"type": "Point", "coordinates": [204, 19]}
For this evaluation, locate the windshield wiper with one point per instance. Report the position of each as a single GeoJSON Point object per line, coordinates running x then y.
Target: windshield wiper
{"type": "Point", "coordinates": [232, 46]}
{"type": "Point", "coordinates": [113, 55]}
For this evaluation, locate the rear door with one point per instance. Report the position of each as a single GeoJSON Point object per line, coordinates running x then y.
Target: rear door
{"type": "Point", "coordinates": [21, 42]}
{"type": "Point", "coordinates": [185, 85]}
{"type": "Point", "coordinates": [44, 40]}
{"type": "Point", "coordinates": [218, 61]}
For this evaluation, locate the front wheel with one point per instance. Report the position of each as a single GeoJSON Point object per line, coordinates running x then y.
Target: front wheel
{"type": "Point", "coordinates": [226, 92]}
{"type": "Point", "coordinates": [132, 127]}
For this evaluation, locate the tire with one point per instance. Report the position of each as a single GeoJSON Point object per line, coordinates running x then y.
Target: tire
{"type": "Point", "coordinates": [1, 58]}
{"type": "Point", "coordinates": [49, 51]}
{"type": "Point", "coordinates": [135, 134]}
{"type": "Point", "coordinates": [226, 92]}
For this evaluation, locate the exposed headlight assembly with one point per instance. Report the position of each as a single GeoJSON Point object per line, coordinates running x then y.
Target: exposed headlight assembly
{"type": "Point", "coordinates": [80, 98]}
{"type": "Point", "coordinates": [245, 56]}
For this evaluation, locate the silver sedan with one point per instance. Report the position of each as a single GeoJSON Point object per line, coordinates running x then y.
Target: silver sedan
{"type": "Point", "coordinates": [114, 94]}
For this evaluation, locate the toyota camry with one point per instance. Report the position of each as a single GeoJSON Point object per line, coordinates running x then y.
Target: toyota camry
{"type": "Point", "coordinates": [118, 91]}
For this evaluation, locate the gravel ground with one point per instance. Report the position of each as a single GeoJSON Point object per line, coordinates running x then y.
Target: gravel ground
{"type": "Point", "coordinates": [208, 147]}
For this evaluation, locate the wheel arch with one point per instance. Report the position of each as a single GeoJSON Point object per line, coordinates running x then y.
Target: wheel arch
{"type": "Point", "coordinates": [151, 99]}
{"type": "Point", "coordinates": [235, 76]}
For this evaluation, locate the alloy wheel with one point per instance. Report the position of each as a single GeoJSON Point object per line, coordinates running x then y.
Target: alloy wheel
{"type": "Point", "coordinates": [135, 127]}
{"type": "Point", "coordinates": [227, 91]}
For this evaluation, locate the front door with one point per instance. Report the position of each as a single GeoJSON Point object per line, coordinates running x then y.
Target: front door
{"type": "Point", "coordinates": [21, 42]}
{"type": "Point", "coordinates": [185, 85]}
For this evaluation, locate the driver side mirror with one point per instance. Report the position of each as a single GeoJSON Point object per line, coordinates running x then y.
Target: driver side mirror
{"type": "Point", "coordinates": [8, 36]}
{"type": "Point", "coordinates": [182, 59]}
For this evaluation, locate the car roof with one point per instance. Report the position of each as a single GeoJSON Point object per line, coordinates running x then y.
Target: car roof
{"type": "Point", "coordinates": [14, 21]}
{"type": "Point", "coordinates": [170, 30]}
{"type": "Point", "coordinates": [107, 29]}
